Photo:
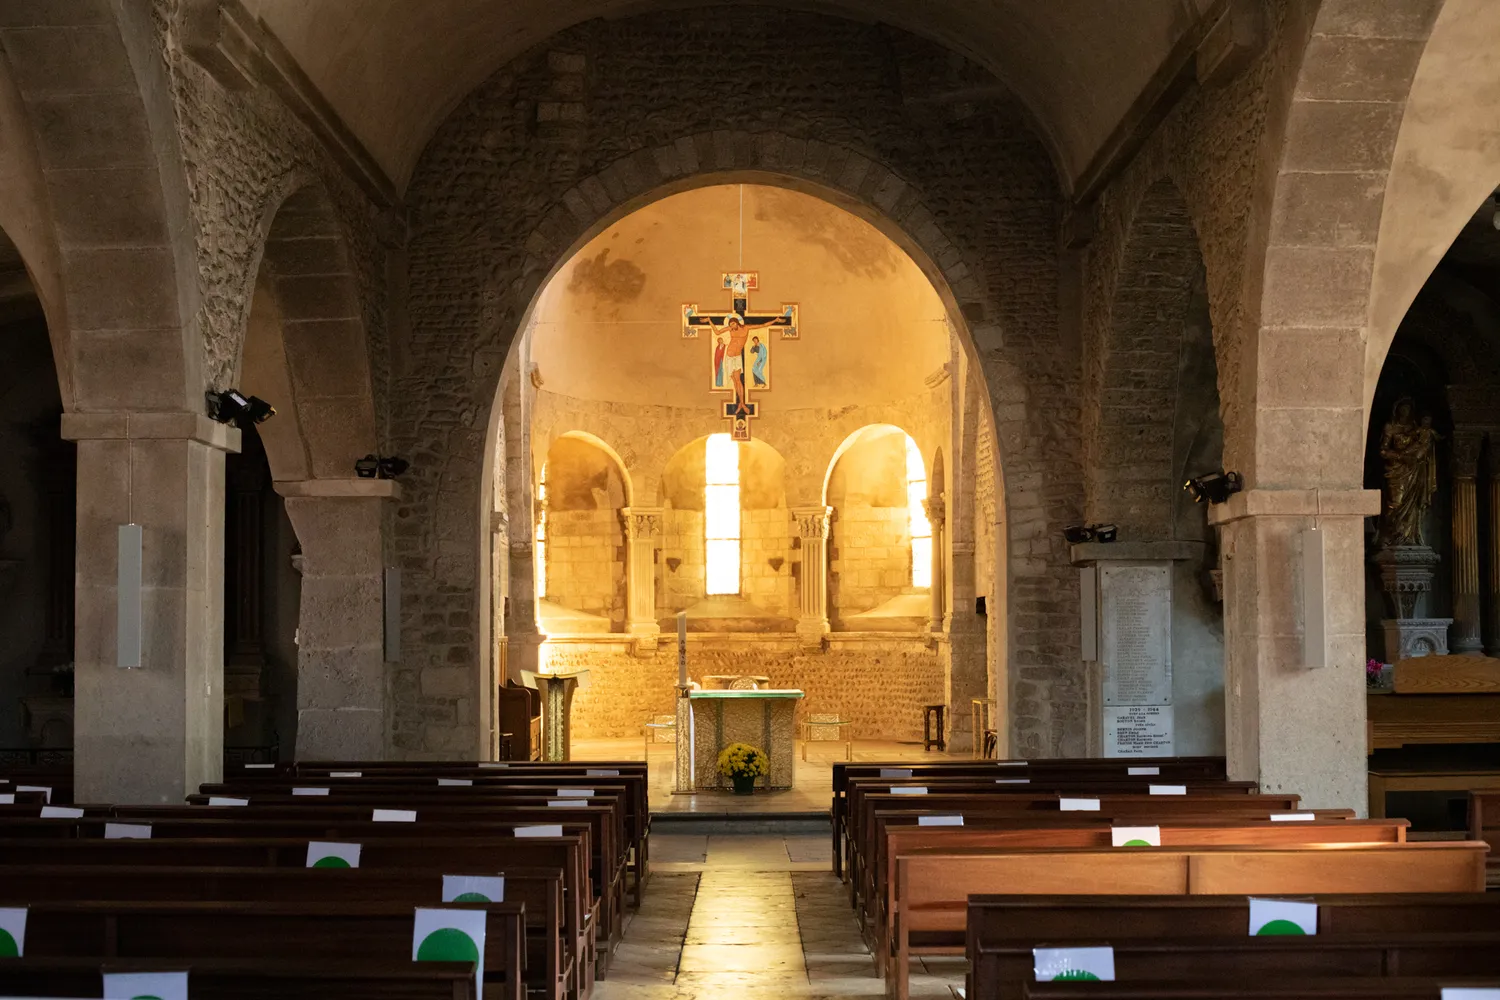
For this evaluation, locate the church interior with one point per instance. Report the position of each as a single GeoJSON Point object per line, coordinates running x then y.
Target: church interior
{"type": "Point", "coordinates": [782, 499]}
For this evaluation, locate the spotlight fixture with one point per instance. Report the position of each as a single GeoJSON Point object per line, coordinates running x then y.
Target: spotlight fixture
{"type": "Point", "coordinates": [1215, 488]}
{"type": "Point", "coordinates": [233, 407]}
{"type": "Point", "coordinates": [380, 467]}
{"type": "Point", "coordinates": [1078, 534]}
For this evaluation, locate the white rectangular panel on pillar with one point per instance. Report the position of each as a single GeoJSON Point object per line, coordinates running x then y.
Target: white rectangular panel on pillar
{"type": "Point", "coordinates": [1314, 600]}
{"type": "Point", "coordinates": [128, 597]}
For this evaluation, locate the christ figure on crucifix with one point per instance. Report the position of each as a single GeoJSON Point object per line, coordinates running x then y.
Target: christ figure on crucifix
{"type": "Point", "coordinates": [737, 332]}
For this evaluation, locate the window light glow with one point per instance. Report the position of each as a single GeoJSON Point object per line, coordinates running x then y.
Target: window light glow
{"type": "Point", "coordinates": [721, 515]}
{"type": "Point", "coordinates": [541, 535]}
{"type": "Point", "coordinates": [921, 528]}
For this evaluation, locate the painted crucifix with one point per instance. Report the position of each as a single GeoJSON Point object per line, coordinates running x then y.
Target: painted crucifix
{"type": "Point", "coordinates": [741, 357]}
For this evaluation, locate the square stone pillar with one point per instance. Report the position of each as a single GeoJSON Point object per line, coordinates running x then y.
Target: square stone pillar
{"type": "Point", "coordinates": [1289, 727]}
{"type": "Point", "coordinates": [642, 531]}
{"type": "Point", "coordinates": [812, 530]}
{"type": "Point", "coordinates": [153, 733]}
{"type": "Point", "coordinates": [341, 706]}
{"type": "Point", "coordinates": [967, 674]}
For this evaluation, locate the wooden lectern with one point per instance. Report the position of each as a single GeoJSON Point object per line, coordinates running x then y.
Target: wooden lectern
{"type": "Point", "coordinates": [556, 691]}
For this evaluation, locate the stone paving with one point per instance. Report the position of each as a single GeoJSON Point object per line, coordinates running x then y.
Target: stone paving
{"type": "Point", "coordinates": [751, 917]}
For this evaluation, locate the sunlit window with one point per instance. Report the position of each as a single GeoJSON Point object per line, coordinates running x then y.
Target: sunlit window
{"type": "Point", "coordinates": [921, 528]}
{"type": "Point", "coordinates": [721, 515]}
{"type": "Point", "coordinates": [541, 534]}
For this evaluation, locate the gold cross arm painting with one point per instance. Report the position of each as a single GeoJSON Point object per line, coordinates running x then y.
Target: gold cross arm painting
{"type": "Point", "coordinates": [740, 360]}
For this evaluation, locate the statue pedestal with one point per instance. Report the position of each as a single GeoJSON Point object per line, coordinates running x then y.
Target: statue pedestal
{"type": "Point", "coordinates": [1405, 575]}
{"type": "Point", "coordinates": [1408, 637]}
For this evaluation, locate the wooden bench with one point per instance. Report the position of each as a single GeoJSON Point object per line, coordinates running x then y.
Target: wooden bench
{"type": "Point", "coordinates": [933, 889]}
{"type": "Point", "coordinates": [184, 931]}
{"type": "Point", "coordinates": [243, 979]}
{"type": "Point", "coordinates": [1300, 988]}
{"type": "Point", "coordinates": [1461, 781]}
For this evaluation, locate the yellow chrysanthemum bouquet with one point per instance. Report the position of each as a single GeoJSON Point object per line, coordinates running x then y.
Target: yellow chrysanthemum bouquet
{"type": "Point", "coordinates": [741, 760]}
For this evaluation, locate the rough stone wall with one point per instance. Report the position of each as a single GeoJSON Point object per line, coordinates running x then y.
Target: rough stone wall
{"type": "Point", "coordinates": [586, 562]}
{"type": "Point", "coordinates": [497, 191]}
{"type": "Point", "coordinates": [869, 557]}
{"type": "Point", "coordinates": [880, 683]}
{"type": "Point", "coordinates": [244, 153]}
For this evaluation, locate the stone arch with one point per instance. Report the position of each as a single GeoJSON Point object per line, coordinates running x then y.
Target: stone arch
{"type": "Point", "coordinates": [1135, 372]}
{"type": "Point", "coordinates": [99, 207]}
{"type": "Point", "coordinates": [306, 345]}
{"type": "Point", "coordinates": [609, 453]}
{"type": "Point", "coordinates": [895, 206]}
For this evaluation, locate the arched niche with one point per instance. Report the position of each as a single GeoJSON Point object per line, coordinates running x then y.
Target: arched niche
{"type": "Point", "coordinates": [582, 489]}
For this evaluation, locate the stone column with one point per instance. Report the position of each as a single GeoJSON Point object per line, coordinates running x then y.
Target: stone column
{"type": "Point", "coordinates": [812, 529]}
{"type": "Point", "coordinates": [155, 733]}
{"type": "Point", "coordinates": [642, 532]}
{"type": "Point", "coordinates": [968, 674]}
{"type": "Point", "coordinates": [935, 513]}
{"type": "Point", "coordinates": [1464, 636]}
{"type": "Point", "coordinates": [341, 710]}
{"type": "Point", "coordinates": [1289, 727]}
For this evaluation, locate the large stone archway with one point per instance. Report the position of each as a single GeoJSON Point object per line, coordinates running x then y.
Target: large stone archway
{"type": "Point", "coordinates": [103, 222]}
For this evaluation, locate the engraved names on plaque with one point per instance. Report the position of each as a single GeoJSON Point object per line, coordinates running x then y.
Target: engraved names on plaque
{"type": "Point", "coordinates": [1135, 618]}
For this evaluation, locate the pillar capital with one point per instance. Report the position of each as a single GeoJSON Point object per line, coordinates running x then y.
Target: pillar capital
{"type": "Point", "coordinates": [812, 522]}
{"type": "Point", "coordinates": [641, 522]}
{"type": "Point", "coordinates": [1468, 442]}
{"type": "Point", "coordinates": [1295, 503]}
{"type": "Point", "coordinates": [175, 425]}
{"type": "Point", "coordinates": [936, 508]}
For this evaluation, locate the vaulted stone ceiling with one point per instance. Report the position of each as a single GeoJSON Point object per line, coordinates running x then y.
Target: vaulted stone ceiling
{"type": "Point", "coordinates": [393, 70]}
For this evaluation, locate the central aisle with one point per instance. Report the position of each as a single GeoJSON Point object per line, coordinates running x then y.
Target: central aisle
{"type": "Point", "coordinates": [755, 917]}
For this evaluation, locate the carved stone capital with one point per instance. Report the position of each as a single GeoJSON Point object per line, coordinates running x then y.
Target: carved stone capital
{"type": "Point", "coordinates": [937, 509]}
{"type": "Point", "coordinates": [812, 522]}
{"type": "Point", "coordinates": [641, 522]}
{"type": "Point", "coordinates": [1467, 444]}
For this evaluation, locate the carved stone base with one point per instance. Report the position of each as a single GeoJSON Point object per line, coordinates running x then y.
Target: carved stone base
{"type": "Point", "coordinates": [1407, 637]}
{"type": "Point", "coordinates": [1405, 575]}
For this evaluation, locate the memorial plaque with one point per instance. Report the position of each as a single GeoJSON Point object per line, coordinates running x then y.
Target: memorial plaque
{"type": "Point", "coordinates": [1138, 731]}
{"type": "Point", "coordinates": [1136, 634]}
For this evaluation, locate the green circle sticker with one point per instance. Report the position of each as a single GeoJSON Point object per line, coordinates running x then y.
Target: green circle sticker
{"type": "Point", "coordinates": [145, 996]}
{"type": "Point", "coordinates": [472, 897]}
{"type": "Point", "coordinates": [1137, 843]}
{"type": "Point", "coordinates": [8, 946]}
{"type": "Point", "coordinates": [330, 862]}
{"type": "Point", "coordinates": [448, 945]}
{"type": "Point", "coordinates": [1279, 927]}
{"type": "Point", "coordinates": [1075, 975]}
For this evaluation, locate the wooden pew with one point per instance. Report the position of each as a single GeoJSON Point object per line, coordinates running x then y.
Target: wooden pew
{"type": "Point", "coordinates": [539, 890]}
{"type": "Point", "coordinates": [1008, 968]}
{"type": "Point", "coordinates": [253, 979]}
{"type": "Point", "coordinates": [1300, 988]}
{"type": "Point", "coordinates": [932, 890]}
{"type": "Point", "coordinates": [1484, 824]}
{"type": "Point", "coordinates": [1062, 921]}
{"type": "Point", "coordinates": [184, 931]}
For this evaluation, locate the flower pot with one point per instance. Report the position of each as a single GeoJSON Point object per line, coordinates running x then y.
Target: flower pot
{"type": "Point", "coordinates": [744, 784]}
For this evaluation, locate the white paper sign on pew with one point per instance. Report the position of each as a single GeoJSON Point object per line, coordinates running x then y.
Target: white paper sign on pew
{"type": "Point", "coordinates": [331, 854]}
{"type": "Point", "coordinates": [561, 803]}
{"type": "Point", "coordinates": [8, 799]}
{"type": "Point", "coordinates": [1273, 917]}
{"type": "Point", "coordinates": [46, 792]}
{"type": "Point", "coordinates": [601, 772]}
{"type": "Point", "coordinates": [493, 763]}
{"type": "Point", "coordinates": [259, 767]}
{"type": "Point", "coordinates": [543, 830]}
{"type": "Point", "coordinates": [394, 816]}
{"type": "Point", "coordinates": [1293, 817]}
{"type": "Point", "coordinates": [1167, 789]}
{"type": "Point", "coordinates": [226, 800]}
{"type": "Point", "coordinates": [1012, 781]}
{"type": "Point", "coordinates": [1073, 964]}
{"type": "Point", "coordinates": [136, 985]}
{"type": "Point", "coordinates": [473, 888]}
{"type": "Point", "coordinates": [127, 831]}
{"type": "Point", "coordinates": [1135, 836]}
{"type": "Point", "coordinates": [61, 812]}
{"type": "Point", "coordinates": [12, 932]}
{"type": "Point", "coordinates": [575, 793]}
{"type": "Point", "coordinates": [1469, 993]}
{"type": "Point", "coordinates": [455, 782]}
{"type": "Point", "coordinates": [451, 936]}
{"type": "Point", "coordinates": [1143, 771]}
{"type": "Point", "coordinates": [306, 790]}
{"type": "Point", "coordinates": [908, 789]}
{"type": "Point", "coordinates": [1079, 805]}
{"type": "Point", "coordinates": [940, 821]}
{"type": "Point", "coordinates": [895, 772]}
{"type": "Point", "coordinates": [346, 774]}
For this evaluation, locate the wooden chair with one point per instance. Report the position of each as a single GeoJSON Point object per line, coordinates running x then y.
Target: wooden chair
{"type": "Point", "coordinates": [815, 730]}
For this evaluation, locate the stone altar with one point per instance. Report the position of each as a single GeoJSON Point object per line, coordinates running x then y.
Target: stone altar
{"type": "Point", "coordinates": [764, 719]}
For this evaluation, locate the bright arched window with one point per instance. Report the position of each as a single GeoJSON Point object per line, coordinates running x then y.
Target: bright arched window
{"type": "Point", "coordinates": [540, 555]}
{"type": "Point", "coordinates": [721, 515]}
{"type": "Point", "coordinates": [921, 528]}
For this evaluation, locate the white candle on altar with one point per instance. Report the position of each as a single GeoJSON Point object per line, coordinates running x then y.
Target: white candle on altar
{"type": "Point", "coordinates": [682, 680]}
